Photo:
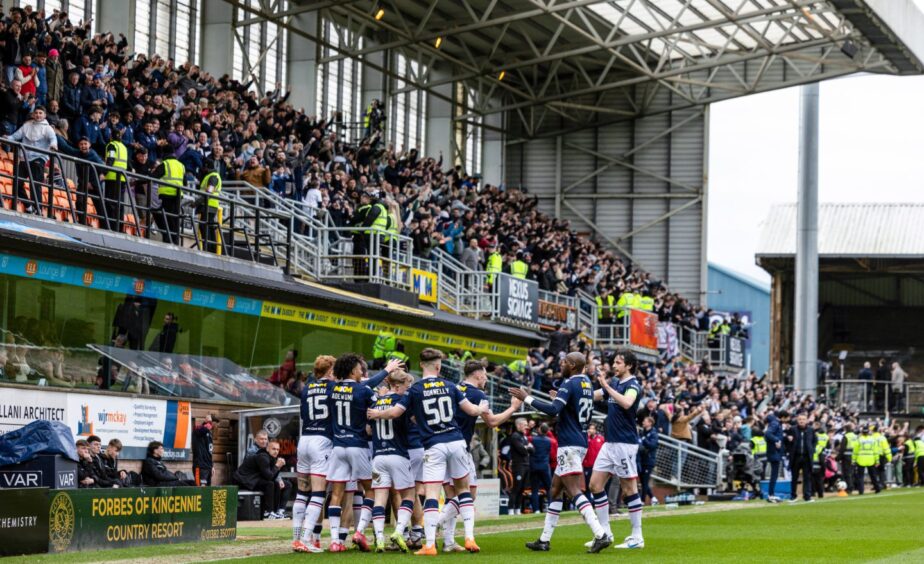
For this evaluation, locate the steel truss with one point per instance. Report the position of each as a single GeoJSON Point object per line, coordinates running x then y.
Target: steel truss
{"type": "Point", "coordinates": [591, 62]}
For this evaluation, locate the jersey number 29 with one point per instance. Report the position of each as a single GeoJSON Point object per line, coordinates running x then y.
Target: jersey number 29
{"type": "Point", "coordinates": [438, 410]}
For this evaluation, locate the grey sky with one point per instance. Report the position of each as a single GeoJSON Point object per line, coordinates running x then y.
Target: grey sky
{"type": "Point", "coordinates": [871, 150]}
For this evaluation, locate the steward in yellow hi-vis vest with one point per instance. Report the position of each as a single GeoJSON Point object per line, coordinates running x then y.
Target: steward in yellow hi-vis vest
{"type": "Point", "coordinates": [866, 457]}
{"type": "Point", "coordinates": [115, 182]}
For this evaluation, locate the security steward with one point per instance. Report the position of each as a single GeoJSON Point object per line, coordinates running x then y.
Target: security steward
{"type": "Point", "coordinates": [626, 300]}
{"type": "Point", "coordinates": [919, 453]}
{"type": "Point", "coordinates": [370, 214]}
{"type": "Point", "coordinates": [495, 263]}
{"type": "Point", "coordinates": [115, 182]}
{"type": "Point", "coordinates": [866, 457]}
{"type": "Point", "coordinates": [848, 464]}
{"type": "Point", "coordinates": [645, 301]}
{"type": "Point", "coordinates": [399, 354]}
{"type": "Point", "coordinates": [759, 449]}
{"type": "Point", "coordinates": [606, 306]}
{"type": "Point", "coordinates": [385, 344]}
{"type": "Point", "coordinates": [818, 461]}
{"type": "Point", "coordinates": [519, 268]}
{"type": "Point", "coordinates": [172, 175]}
{"type": "Point", "coordinates": [208, 206]}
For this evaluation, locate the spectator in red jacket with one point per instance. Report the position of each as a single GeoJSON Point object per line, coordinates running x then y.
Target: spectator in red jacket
{"type": "Point", "coordinates": [594, 444]}
{"type": "Point", "coordinates": [286, 370]}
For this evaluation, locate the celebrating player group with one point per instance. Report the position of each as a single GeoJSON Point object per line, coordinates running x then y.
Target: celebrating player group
{"type": "Point", "coordinates": [368, 441]}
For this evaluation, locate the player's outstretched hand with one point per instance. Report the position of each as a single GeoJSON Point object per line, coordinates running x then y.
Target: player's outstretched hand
{"type": "Point", "coordinates": [518, 393]}
{"type": "Point", "coordinates": [372, 413]}
{"type": "Point", "coordinates": [393, 364]}
{"type": "Point", "coordinates": [517, 403]}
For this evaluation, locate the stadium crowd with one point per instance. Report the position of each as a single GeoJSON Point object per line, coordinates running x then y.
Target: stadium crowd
{"type": "Point", "coordinates": [87, 96]}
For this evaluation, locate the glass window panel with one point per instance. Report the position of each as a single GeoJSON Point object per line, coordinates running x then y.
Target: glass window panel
{"type": "Point", "coordinates": [142, 40]}
{"type": "Point", "coordinates": [162, 29]}
{"type": "Point", "coordinates": [183, 21]}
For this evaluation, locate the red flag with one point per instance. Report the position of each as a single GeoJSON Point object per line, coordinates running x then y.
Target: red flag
{"type": "Point", "coordinates": [643, 329]}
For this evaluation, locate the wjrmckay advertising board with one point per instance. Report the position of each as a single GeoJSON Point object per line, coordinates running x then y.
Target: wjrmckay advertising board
{"type": "Point", "coordinates": [93, 519]}
{"type": "Point", "coordinates": [134, 421]}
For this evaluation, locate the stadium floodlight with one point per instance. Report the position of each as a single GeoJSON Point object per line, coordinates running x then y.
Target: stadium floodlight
{"type": "Point", "coordinates": [438, 42]}
{"type": "Point", "coordinates": [380, 14]}
{"type": "Point", "coordinates": [502, 75]}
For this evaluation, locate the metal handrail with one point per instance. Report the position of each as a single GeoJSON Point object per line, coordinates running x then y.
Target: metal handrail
{"type": "Point", "coordinates": [874, 397]}
{"type": "Point", "coordinates": [88, 203]}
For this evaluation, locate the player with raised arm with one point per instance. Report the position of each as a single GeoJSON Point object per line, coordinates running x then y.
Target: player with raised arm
{"type": "Point", "coordinates": [618, 454]}
{"type": "Point", "coordinates": [391, 468]}
{"type": "Point", "coordinates": [434, 402]}
{"type": "Point", "coordinates": [573, 405]}
{"type": "Point", "coordinates": [475, 378]}
{"type": "Point", "coordinates": [315, 447]}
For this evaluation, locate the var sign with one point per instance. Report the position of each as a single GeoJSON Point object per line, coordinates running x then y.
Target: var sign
{"type": "Point", "coordinates": [21, 479]}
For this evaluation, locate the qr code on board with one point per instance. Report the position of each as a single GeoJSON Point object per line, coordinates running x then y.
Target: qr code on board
{"type": "Point", "coordinates": [219, 507]}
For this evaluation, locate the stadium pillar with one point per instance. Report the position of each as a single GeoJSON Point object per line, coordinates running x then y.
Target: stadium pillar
{"type": "Point", "coordinates": [806, 327]}
{"type": "Point", "coordinates": [117, 16]}
{"type": "Point", "coordinates": [439, 122]}
{"type": "Point", "coordinates": [302, 63]}
{"type": "Point", "coordinates": [493, 150]}
{"type": "Point", "coordinates": [217, 38]}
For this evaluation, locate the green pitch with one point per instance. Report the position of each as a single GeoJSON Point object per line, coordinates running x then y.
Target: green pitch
{"type": "Point", "coordinates": [883, 528]}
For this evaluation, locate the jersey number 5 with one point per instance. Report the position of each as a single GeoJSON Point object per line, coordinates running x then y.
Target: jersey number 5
{"type": "Point", "coordinates": [438, 410]}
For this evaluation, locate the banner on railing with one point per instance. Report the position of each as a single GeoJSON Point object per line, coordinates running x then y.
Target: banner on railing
{"type": "Point", "coordinates": [734, 352]}
{"type": "Point", "coordinates": [552, 314]}
{"type": "Point", "coordinates": [518, 300]}
{"type": "Point", "coordinates": [667, 339]}
{"type": "Point", "coordinates": [424, 283]}
{"type": "Point", "coordinates": [643, 329]}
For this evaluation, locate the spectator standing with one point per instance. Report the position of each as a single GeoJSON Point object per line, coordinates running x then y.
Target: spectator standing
{"type": "Point", "coordinates": [883, 379]}
{"type": "Point", "coordinates": [172, 175]}
{"type": "Point", "coordinates": [260, 472]}
{"type": "Point", "coordinates": [27, 74]}
{"type": "Point", "coordinates": [898, 386]}
{"type": "Point", "coordinates": [647, 457]}
{"type": "Point", "coordinates": [519, 464]}
{"type": "Point", "coordinates": [472, 256]}
{"type": "Point", "coordinates": [202, 447]}
{"type": "Point", "coordinates": [165, 340]}
{"type": "Point", "coordinates": [36, 133]}
{"type": "Point", "coordinates": [70, 98]}
{"type": "Point", "coordinates": [13, 105]}
{"type": "Point", "coordinates": [54, 76]}
{"type": "Point", "coordinates": [286, 370]}
{"type": "Point", "coordinates": [801, 441]}
{"type": "Point", "coordinates": [560, 341]}
{"type": "Point", "coordinates": [774, 438]}
{"type": "Point", "coordinates": [540, 470]}
{"type": "Point", "coordinates": [595, 442]}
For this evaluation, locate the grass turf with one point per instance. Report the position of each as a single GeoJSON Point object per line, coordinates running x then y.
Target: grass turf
{"type": "Point", "coordinates": [884, 528]}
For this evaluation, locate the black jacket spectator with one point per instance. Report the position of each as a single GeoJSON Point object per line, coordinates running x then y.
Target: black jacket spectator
{"type": "Point", "coordinates": [154, 473]}
{"type": "Point", "coordinates": [257, 468]}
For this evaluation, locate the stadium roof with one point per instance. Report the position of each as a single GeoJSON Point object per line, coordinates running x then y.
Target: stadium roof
{"type": "Point", "coordinates": [596, 61]}
{"type": "Point", "coordinates": [861, 231]}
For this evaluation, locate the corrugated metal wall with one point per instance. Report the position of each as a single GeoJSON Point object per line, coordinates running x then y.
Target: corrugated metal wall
{"type": "Point", "coordinates": [673, 249]}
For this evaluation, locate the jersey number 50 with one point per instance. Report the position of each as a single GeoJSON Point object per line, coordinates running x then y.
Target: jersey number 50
{"type": "Point", "coordinates": [438, 410]}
